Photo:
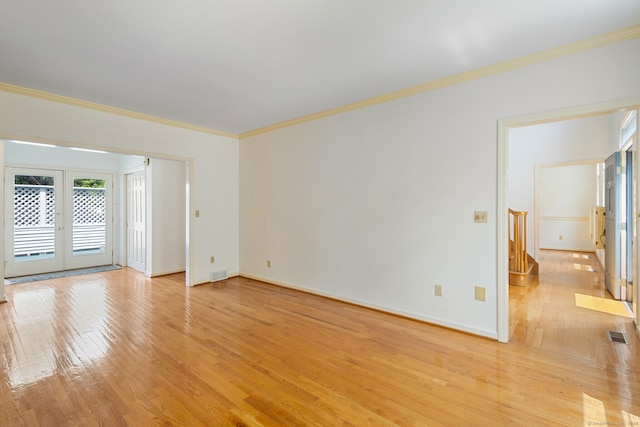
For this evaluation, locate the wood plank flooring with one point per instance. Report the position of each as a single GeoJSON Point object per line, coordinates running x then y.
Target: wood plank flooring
{"type": "Point", "coordinates": [545, 315]}
{"type": "Point", "coordinates": [117, 348]}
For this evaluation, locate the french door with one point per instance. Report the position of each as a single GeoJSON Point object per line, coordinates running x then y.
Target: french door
{"type": "Point", "coordinates": [56, 220]}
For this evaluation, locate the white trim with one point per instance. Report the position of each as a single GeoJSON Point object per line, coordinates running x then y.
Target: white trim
{"type": "Point", "coordinates": [562, 218]}
{"type": "Point", "coordinates": [62, 168]}
{"type": "Point", "coordinates": [4, 136]}
{"type": "Point", "coordinates": [571, 163]}
{"type": "Point", "coordinates": [577, 112]}
{"type": "Point", "coordinates": [502, 227]}
{"type": "Point", "coordinates": [502, 188]}
{"type": "Point", "coordinates": [6, 87]}
{"type": "Point", "coordinates": [190, 218]}
{"type": "Point", "coordinates": [618, 36]}
{"type": "Point", "coordinates": [164, 273]}
{"type": "Point", "coordinates": [411, 315]}
{"type": "Point", "coordinates": [626, 119]}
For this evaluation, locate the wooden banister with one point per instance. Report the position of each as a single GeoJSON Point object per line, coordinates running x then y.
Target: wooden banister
{"type": "Point", "coordinates": [518, 240]}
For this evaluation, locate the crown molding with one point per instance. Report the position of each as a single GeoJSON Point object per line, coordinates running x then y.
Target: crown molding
{"type": "Point", "coordinates": [6, 87]}
{"type": "Point", "coordinates": [619, 36]}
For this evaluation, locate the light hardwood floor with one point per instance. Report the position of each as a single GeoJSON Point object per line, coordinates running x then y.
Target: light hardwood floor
{"type": "Point", "coordinates": [117, 348]}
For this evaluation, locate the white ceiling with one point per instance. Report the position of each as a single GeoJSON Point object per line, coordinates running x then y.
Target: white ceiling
{"type": "Point", "coordinates": [238, 65]}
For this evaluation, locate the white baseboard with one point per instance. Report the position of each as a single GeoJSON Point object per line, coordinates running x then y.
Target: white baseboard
{"type": "Point", "coordinates": [164, 273]}
{"type": "Point", "coordinates": [393, 311]}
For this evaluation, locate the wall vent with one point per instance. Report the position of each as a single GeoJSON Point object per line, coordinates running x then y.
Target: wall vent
{"type": "Point", "coordinates": [218, 275]}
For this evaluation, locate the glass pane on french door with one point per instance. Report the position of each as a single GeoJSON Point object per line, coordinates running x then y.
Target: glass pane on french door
{"type": "Point", "coordinates": [33, 203]}
{"type": "Point", "coordinates": [89, 219]}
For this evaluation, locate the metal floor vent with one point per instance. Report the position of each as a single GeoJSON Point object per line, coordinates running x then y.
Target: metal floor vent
{"type": "Point", "coordinates": [617, 337]}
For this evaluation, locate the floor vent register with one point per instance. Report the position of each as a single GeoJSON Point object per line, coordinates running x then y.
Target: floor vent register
{"type": "Point", "coordinates": [617, 337]}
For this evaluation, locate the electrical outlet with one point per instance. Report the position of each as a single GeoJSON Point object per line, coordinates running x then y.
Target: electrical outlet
{"type": "Point", "coordinates": [480, 216]}
{"type": "Point", "coordinates": [197, 213]}
{"type": "Point", "coordinates": [212, 259]}
{"type": "Point", "coordinates": [269, 264]}
{"type": "Point", "coordinates": [560, 237]}
{"type": "Point", "coordinates": [438, 290]}
{"type": "Point", "coordinates": [481, 293]}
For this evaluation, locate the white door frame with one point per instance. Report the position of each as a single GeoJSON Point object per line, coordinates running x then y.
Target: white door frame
{"type": "Point", "coordinates": [502, 250]}
{"type": "Point", "coordinates": [88, 260]}
{"type": "Point", "coordinates": [64, 257]}
{"type": "Point", "coordinates": [37, 266]}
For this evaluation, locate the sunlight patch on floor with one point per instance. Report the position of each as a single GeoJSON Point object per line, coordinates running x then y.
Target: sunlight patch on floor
{"type": "Point", "coordinates": [618, 308]}
{"type": "Point", "coordinates": [583, 267]}
{"type": "Point", "coordinates": [593, 410]}
{"type": "Point", "coordinates": [630, 419]}
{"type": "Point", "coordinates": [594, 413]}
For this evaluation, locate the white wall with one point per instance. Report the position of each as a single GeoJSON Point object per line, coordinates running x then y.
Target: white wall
{"type": "Point", "coordinates": [214, 161]}
{"type": "Point", "coordinates": [578, 140]}
{"type": "Point", "coordinates": [166, 192]}
{"type": "Point", "coordinates": [375, 206]}
{"type": "Point", "coordinates": [130, 163]}
{"type": "Point", "coordinates": [565, 194]}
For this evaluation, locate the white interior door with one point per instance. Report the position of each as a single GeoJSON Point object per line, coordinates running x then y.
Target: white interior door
{"type": "Point", "coordinates": [34, 221]}
{"type": "Point", "coordinates": [89, 221]}
{"type": "Point", "coordinates": [136, 240]}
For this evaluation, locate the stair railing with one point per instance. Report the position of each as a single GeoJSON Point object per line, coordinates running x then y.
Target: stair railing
{"type": "Point", "coordinates": [518, 237]}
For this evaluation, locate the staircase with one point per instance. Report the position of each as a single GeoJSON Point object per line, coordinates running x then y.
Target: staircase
{"type": "Point", "coordinates": [521, 265]}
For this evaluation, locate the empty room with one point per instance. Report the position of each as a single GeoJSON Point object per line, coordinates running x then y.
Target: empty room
{"type": "Point", "coordinates": [269, 213]}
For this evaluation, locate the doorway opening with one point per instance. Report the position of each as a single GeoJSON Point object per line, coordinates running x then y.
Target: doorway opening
{"type": "Point", "coordinates": [503, 203]}
{"type": "Point", "coordinates": [168, 202]}
{"type": "Point", "coordinates": [57, 220]}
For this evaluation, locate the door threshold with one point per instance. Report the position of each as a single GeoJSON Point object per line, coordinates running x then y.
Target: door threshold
{"type": "Point", "coordinates": [59, 274]}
